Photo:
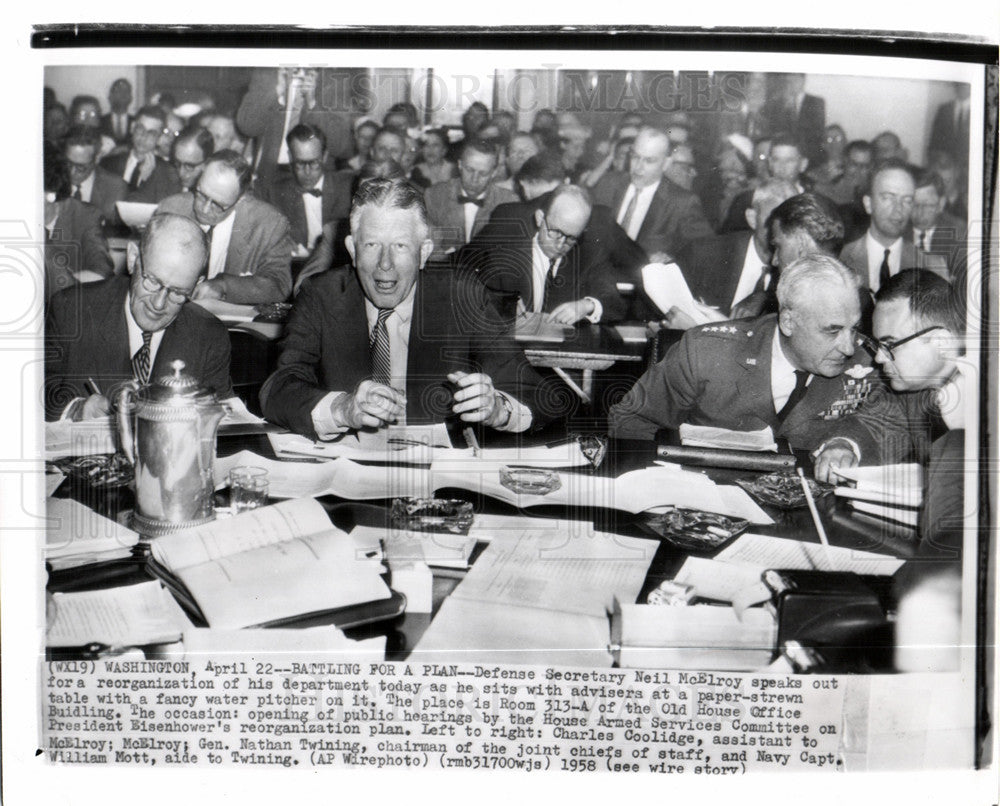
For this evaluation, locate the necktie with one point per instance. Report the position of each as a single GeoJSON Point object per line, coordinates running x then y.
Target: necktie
{"type": "Point", "coordinates": [762, 283]}
{"type": "Point", "coordinates": [140, 361]}
{"type": "Point", "coordinates": [77, 193]}
{"type": "Point", "coordinates": [629, 212]}
{"type": "Point", "coordinates": [550, 282]}
{"type": "Point", "coordinates": [883, 272]}
{"type": "Point", "coordinates": [801, 376]}
{"type": "Point", "coordinates": [378, 347]}
{"type": "Point", "coordinates": [922, 240]}
{"type": "Point", "coordinates": [313, 192]}
{"type": "Point", "coordinates": [133, 180]}
{"type": "Point", "coordinates": [470, 200]}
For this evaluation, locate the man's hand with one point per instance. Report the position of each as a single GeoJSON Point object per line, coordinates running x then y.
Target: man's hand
{"type": "Point", "coordinates": [208, 289]}
{"type": "Point", "coordinates": [569, 313]}
{"type": "Point", "coordinates": [371, 405]}
{"type": "Point", "coordinates": [476, 401]}
{"type": "Point", "coordinates": [836, 454]}
{"type": "Point", "coordinates": [660, 257]}
{"type": "Point", "coordinates": [676, 319]}
{"type": "Point", "coordinates": [93, 407]}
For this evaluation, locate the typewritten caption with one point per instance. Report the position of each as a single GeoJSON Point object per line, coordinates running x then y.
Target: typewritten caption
{"type": "Point", "coordinates": [404, 715]}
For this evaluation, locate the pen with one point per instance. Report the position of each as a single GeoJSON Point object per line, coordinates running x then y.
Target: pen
{"type": "Point", "coordinates": [92, 387]}
{"type": "Point", "coordinates": [815, 517]}
{"type": "Point", "coordinates": [470, 439]}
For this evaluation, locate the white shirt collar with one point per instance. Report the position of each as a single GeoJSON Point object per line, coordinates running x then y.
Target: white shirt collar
{"type": "Point", "coordinates": [404, 310]}
{"type": "Point", "coordinates": [135, 333]}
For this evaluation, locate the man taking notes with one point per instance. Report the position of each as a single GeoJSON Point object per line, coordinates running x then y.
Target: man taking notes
{"type": "Point", "coordinates": [385, 341]}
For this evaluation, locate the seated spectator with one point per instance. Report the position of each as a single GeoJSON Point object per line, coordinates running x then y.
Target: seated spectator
{"type": "Point", "coordinates": [55, 124]}
{"type": "Point", "coordinates": [540, 174]}
{"type": "Point", "coordinates": [149, 178]}
{"type": "Point", "coordinates": [433, 168]}
{"type": "Point", "coordinates": [786, 163]}
{"type": "Point", "coordinates": [364, 134]}
{"type": "Point", "coordinates": [680, 168]}
{"type": "Point", "coordinates": [165, 142]}
{"type": "Point", "coordinates": [85, 110]}
{"type": "Point", "coordinates": [117, 123]}
{"type": "Point", "coordinates": [192, 148]}
{"type": "Point", "coordinates": [934, 228]}
{"type": "Point", "coordinates": [88, 181]}
{"type": "Point", "coordinates": [520, 149]}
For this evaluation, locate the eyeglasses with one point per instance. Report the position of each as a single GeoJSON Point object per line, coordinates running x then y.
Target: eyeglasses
{"type": "Point", "coordinates": [202, 200]}
{"type": "Point", "coordinates": [873, 345]}
{"type": "Point", "coordinates": [558, 234]}
{"type": "Point", "coordinates": [189, 166]}
{"type": "Point", "coordinates": [307, 165]}
{"type": "Point", "coordinates": [154, 286]}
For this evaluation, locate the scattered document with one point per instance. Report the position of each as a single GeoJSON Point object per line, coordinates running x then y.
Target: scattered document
{"type": "Point", "coordinates": [135, 214]}
{"type": "Point", "coordinates": [701, 436]}
{"type": "Point", "coordinates": [907, 517]}
{"type": "Point", "coordinates": [716, 579]}
{"type": "Point", "coordinates": [76, 532]}
{"type": "Point", "coordinates": [665, 285]}
{"type": "Point", "coordinates": [439, 549]}
{"type": "Point", "coordinates": [539, 327]}
{"type": "Point", "coordinates": [131, 615]}
{"type": "Point", "coordinates": [228, 311]}
{"type": "Point", "coordinates": [766, 552]}
{"type": "Point", "coordinates": [84, 438]}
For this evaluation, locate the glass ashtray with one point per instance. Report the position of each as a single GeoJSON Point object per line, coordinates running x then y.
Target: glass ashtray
{"type": "Point", "coordinates": [529, 481]}
{"type": "Point", "coordinates": [276, 312]}
{"type": "Point", "coordinates": [432, 515]}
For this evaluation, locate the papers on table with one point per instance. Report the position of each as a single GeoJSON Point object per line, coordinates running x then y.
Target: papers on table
{"type": "Point", "coordinates": [530, 326]}
{"type": "Point", "coordinates": [439, 549]}
{"type": "Point", "coordinates": [85, 438]}
{"type": "Point", "coordinates": [664, 283]}
{"type": "Point", "coordinates": [135, 214]}
{"type": "Point", "coordinates": [633, 334]}
{"type": "Point", "coordinates": [77, 535]}
{"type": "Point", "coordinates": [229, 311]}
{"type": "Point", "coordinates": [132, 615]}
{"type": "Point", "coordinates": [890, 492]}
{"type": "Point", "coordinates": [256, 642]}
{"type": "Point", "coordinates": [701, 436]}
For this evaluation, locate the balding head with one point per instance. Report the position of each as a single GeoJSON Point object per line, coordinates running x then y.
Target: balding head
{"type": "Point", "coordinates": [649, 156]}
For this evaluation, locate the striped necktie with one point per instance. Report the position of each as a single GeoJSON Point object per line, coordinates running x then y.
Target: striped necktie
{"type": "Point", "coordinates": [378, 347]}
{"type": "Point", "coordinates": [141, 363]}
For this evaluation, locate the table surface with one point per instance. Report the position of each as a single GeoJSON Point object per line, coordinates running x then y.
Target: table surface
{"type": "Point", "coordinates": [843, 528]}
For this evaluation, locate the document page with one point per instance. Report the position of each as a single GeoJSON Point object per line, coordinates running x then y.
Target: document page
{"type": "Point", "coordinates": [766, 552]}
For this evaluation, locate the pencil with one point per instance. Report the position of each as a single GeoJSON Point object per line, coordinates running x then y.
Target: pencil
{"type": "Point", "coordinates": [815, 516]}
{"type": "Point", "coordinates": [93, 387]}
{"type": "Point", "coordinates": [470, 439]}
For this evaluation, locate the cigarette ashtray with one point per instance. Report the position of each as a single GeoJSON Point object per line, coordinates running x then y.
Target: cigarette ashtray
{"type": "Point", "coordinates": [432, 515]}
{"type": "Point", "coordinates": [529, 481]}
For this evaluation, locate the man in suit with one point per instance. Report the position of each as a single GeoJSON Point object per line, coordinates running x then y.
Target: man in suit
{"type": "Point", "coordinates": [311, 197]}
{"type": "Point", "coordinates": [785, 162]}
{"type": "Point", "coordinates": [192, 147]}
{"type": "Point", "coordinates": [459, 208]}
{"type": "Point", "coordinates": [656, 213]}
{"type": "Point", "coordinates": [134, 327]}
{"type": "Point", "coordinates": [723, 270]}
{"type": "Point", "coordinates": [538, 256]}
{"type": "Point", "coordinates": [149, 178]}
{"type": "Point", "coordinates": [88, 181]}
{"type": "Point", "coordinates": [794, 372]}
{"type": "Point", "coordinates": [385, 339]}
{"type": "Point", "coordinates": [934, 229]}
{"type": "Point", "coordinates": [250, 251]}
{"type": "Point", "coordinates": [950, 129]}
{"type": "Point", "coordinates": [799, 114]}
{"type": "Point", "coordinates": [117, 123]}
{"type": "Point", "coordinates": [277, 100]}
{"type": "Point", "coordinates": [883, 251]}
{"type": "Point", "coordinates": [917, 335]}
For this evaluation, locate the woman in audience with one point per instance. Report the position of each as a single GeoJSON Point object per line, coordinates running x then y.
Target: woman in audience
{"type": "Point", "coordinates": [433, 168]}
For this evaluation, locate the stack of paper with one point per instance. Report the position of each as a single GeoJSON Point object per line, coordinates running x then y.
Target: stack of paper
{"type": "Point", "coordinates": [891, 492]}
{"type": "Point", "coordinates": [85, 438]}
{"type": "Point", "coordinates": [78, 536]}
{"type": "Point", "coordinates": [437, 549]}
{"type": "Point", "coordinates": [664, 283]}
{"type": "Point", "coordinates": [540, 328]}
{"type": "Point", "coordinates": [701, 436]}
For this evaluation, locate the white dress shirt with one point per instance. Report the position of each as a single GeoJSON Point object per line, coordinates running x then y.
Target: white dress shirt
{"type": "Point", "coordinates": [314, 215]}
{"type": "Point", "coordinates": [540, 267]}
{"type": "Point", "coordinates": [782, 374]}
{"type": "Point", "coordinates": [221, 234]}
{"type": "Point", "coordinates": [470, 211]}
{"type": "Point", "coordinates": [130, 164]}
{"type": "Point", "coordinates": [750, 273]}
{"type": "Point", "coordinates": [875, 254]}
{"type": "Point", "coordinates": [641, 208]}
{"type": "Point", "coordinates": [86, 187]}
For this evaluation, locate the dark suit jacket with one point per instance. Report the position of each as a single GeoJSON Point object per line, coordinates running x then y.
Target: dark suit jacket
{"type": "Point", "coordinates": [261, 116]}
{"type": "Point", "coordinates": [287, 196]}
{"type": "Point", "coordinates": [447, 216]}
{"type": "Point", "coordinates": [808, 126]}
{"type": "Point", "coordinates": [949, 241]}
{"type": "Point", "coordinates": [259, 246]}
{"type": "Point", "coordinates": [855, 255]}
{"type": "Point", "coordinates": [108, 129]}
{"type": "Point", "coordinates": [162, 182]}
{"type": "Point", "coordinates": [674, 217]}
{"type": "Point", "coordinates": [501, 255]}
{"type": "Point", "coordinates": [947, 136]}
{"type": "Point", "coordinates": [86, 336]}
{"type": "Point", "coordinates": [76, 243]}
{"type": "Point", "coordinates": [108, 189]}
{"type": "Point", "coordinates": [454, 327]}
{"type": "Point", "coordinates": [720, 375]}
{"type": "Point", "coordinates": [712, 267]}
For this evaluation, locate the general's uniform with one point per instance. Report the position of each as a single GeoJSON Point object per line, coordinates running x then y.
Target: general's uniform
{"type": "Point", "coordinates": [720, 375]}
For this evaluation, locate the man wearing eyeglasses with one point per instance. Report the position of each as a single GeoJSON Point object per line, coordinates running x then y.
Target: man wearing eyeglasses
{"type": "Point", "coordinates": [99, 335]}
{"type": "Point", "coordinates": [148, 177]}
{"type": "Point", "coordinates": [882, 251]}
{"type": "Point", "coordinates": [917, 328]}
{"type": "Point", "coordinates": [89, 182]}
{"type": "Point", "coordinates": [311, 196]}
{"type": "Point", "coordinates": [192, 147]}
{"type": "Point", "coordinates": [250, 250]}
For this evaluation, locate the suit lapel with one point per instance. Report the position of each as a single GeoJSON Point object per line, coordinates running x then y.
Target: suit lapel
{"type": "Point", "coordinates": [650, 223]}
{"type": "Point", "coordinates": [109, 323]}
{"type": "Point", "coordinates": [236, 252]}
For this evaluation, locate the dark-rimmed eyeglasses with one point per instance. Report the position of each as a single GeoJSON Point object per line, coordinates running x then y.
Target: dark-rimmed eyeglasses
{"type": "Point", "coordinates": [874, 345]}
{"type": "Point", "coordinates": [154, 286]}
{"type": "Point", "coordinates": [559, 235]}
{"type": "Point", "coordinates": [201, 199]}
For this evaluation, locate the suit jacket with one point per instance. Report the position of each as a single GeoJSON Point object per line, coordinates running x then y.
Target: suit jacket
{"type": "Point", "coordinates": [108, 189]}
{"type": "Point", "coordinates": [259, 246]}
{"type": "Point", "coordinates": [942, 517]}
{"type": "Point", "coordinates": [855, 255]}
{"type": "Point", "coordinates": [454, 327]}
{"type": "Point", "coordinates": [262, 117]}
{"type": "Point", "coordinates": [949, 241]}
{"type": "Point", "coordinates": [946, 135]}
{"type": "Point", "coordinates": [712, 267]}
{"type": "Point", "coordinates": [808, 125]}
{"type": "Point", "coordinates": [501, 254]}
{"type": "Point", "coordinates": [287, 196]}
{"type": "Point", "coordinates": [76, 243]}
{"type": "Point", "coordinates": [86, 336]}
{"type": "Point", "coordinates": [674, 218]}
{"type": "Point", "coordinates": [108, 128]}
{"type": "Point", "coordinates": [162, 182]}
{"type": "Point", "coordinates": [720, 375]}
{"type": "Point", "coordinates": [447, 216]}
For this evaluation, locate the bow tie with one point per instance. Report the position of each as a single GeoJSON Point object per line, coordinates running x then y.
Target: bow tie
{"type": "Point", "coordinates": [470, 200]}
{"type": "Point", "coordinates": [313, 192]}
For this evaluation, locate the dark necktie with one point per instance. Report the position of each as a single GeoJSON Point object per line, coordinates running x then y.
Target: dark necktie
{"type": "Point", "coordinates": [629, 211]}
{"type": "Point", "coordinates": [550, 282]}
{"type": "Point", "coordinates": [378, 346]}
{"type": "Point", "coordinates": [765, 273]}
{"type": "Point", "coordinates": [313, 192]}
{"type": "Point", "coordinates": [208, 243]}
{"type": "Point", "coordinates": [470, 200]}
{"type": "Point", "coordinates": [133, 180]}
{"type": "Point", "coordinates": [883, 272]}
{"type": "Point", "coordinates": [77, 193]}
{"type": "Point", "coordinates": [922, 241]}
{"type": "Point", "coordinates": [801, 376]}
{"type": "Point", "coordinates": [140, 361]}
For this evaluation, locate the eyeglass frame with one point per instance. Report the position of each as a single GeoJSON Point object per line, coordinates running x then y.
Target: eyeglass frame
{"type": "Point", "coordinates": [875, 345]}
{"type": "Point", "coordinates": [217, 208]}
{"type": "Point", "coordinates": [569, 240]}
{"type": "Point", "coordinates": [172, 293]}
